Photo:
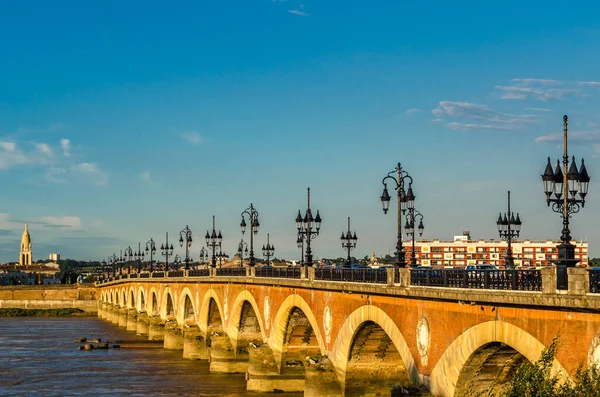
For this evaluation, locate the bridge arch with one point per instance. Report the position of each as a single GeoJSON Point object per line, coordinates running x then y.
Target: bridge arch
{"type": "Point", "coordinates": [154, 304]}
{"type": "Point", "coordinates": [167, 309]}
{"type": "Point", "coordinates": [291, 306]}
{"type": "Point", "coordinates": [445, 375]}
{"type": "Point", "coordinates": [235, 319]}
{"type": "Point", "coordinates": [186, 310]}
{"type": "Point", "coordinates": [131, 298]}
{"type": "Point", "coordinates": [114, 297]}
{"type": "Point", "coordinates": [123, 300]}
{"type": "Point", "coordinates": [205, 310]}
{"type": "Point", "coordinates": [359, 324]}
{"type": "Point", "coordinates": [141, 299]}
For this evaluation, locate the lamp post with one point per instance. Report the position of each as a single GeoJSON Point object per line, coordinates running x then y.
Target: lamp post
{"type": "Point", "coordinates": [406, 200]}
{"type": "Point", "coordinates": [203, 256]}
{"type": "Point", "coordinates": [268, 250]}
{"type": "Point", "coordinates": [349, 242]}
{"type": "Point", "coordinates": [186, 236]}
{"type": "Point", "coordinates": [565, 184]}
{"type": "Point", "coordinates": [139, 257]}
{"type": "Point", "coordinates": [300, 242]}
{"type": "Point", "coordinates": [411, 217]}
{"type": "Point", "coordinates": [121, 262]}
{"type": "Point", "coordinates": [113, 261]}
{"type": "Point", "coordinates": [151, 249]}
{"type": "Point", "coordinates": [166, 251]}
{"type": "Point", "coordinates": [214, 240]}
{"type": "Point", "coordinates": [254, 225]}
{"type": "Point", "coordinates": [241, 247]}
{"type": "Point", "coordinates": [509, 228]}
{"type": "Point", "coordinates": [176, 262]}
{"type": "Point", "coordinates": [305, 229]}
{"type": "Point", "coordinates": [129, 255]}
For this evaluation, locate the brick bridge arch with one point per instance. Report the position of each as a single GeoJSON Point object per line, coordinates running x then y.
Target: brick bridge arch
{"type": "Point", "coordinates": [236, 316]}
{"type": "Point", "coordinates": [186, 309]}
{"type": "Point", "coordinates": [205, 308]}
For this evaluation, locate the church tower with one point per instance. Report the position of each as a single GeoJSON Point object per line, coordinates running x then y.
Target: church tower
{"type": "Point", "coordinates": [25, 257]}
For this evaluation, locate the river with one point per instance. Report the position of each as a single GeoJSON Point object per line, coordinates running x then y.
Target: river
{"type": "Point", "coordinates": [38, 357]}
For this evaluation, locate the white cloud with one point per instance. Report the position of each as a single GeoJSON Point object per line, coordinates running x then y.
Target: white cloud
{"type": "Point", "coordinates": [545, 82]}
{"type": "Point", "coordinates": [299, 11]}
{"type": "Point", "coordinates": [539, 109]}
{"type": "Point", "coordinates": [574, 137]}
{"type": "Point", "coordinates": [8, 146]}
{"type": "Point", "coordinates": [412, 111]}
{"type": "Point", "coordinates": [92, 169]}
{"type": "Point", "coordinates": [12, 156]}
{"type": "Point", "coordinates": [146, 178]}
{"type": "Point", "coordinates": [65, 145]}
{"type": "Point", "coordinates": [69, 222]}
{"type": "Point", "coordinates": [473, 116]}
{"type": "Point", "coordinates": [589, 83]}
{"type": "Point", "coordinates": [56, 175]}
{"type": "Point", "coordinates": [193, 137]}
{"type": "Point", "coordinates": [539, 89]}
{"type": "Point", "coordinates": [44, 148]}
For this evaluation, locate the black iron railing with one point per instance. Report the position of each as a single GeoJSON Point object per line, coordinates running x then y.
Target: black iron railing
{"type": "Point", "coordinates": [199, 273]}
{"type": "Point", "coordinates": [517, 280]}
{"type": "Point", "coordinates": [158, 274]}
{"type": "Point", "coordinates": [278, 272]}
{"type": "Point", "coordinates": [595, 281]}
{"type": "Point", "coordinates": [176, 273]}
{"type": "Point", "coordinates": [374, 276]}
{"type": "Point", "coordinates": [231, 271]}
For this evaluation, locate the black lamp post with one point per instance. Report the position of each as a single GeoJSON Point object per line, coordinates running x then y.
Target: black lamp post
{"type": "Point", "coordinates": [565, 184]}
{"type": "Point", "coordinates": [509, 228]}
{"type": "Point", "coordinates": [129, 256]}
{"type": "Point", "coordinates": [349, 242]}
{"type": "Point", "coordinates": [214, 241]}
{"type": "Point", "coordinates": [254, 225]}
{"type": "Point", "coordinates": [241, 246]}
{"type": "Point", "coordinates": [305, 229]}
{"type": "Point", "coordinates": [176, 262]}
{"type": "Point", "coordinates": [268, 250]}
{"type": "Point", "coordinates": [151, 249]}
{"type": "Point", "coordinates": [166, 251]}
{"type": "Point", "coordinates": [113, 261]}
{"type": "Point", "coordinates": [300, 242]}
{"type": "Point", "coordinates": [411, 217]}
{"type": "Point", "coordinates": [139, 257]}
{"type": "Point", "coordinates": [121, 259]}
{"type": "Point", "coordinates": [186, 236]}
{"type": "Point", "coordinates": [406, 200]}
{"type": "Point", "coordinates": [203, 255]}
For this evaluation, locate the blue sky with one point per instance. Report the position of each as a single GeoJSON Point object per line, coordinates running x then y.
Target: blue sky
{"type": "Point", "coordinates": [122, 122]}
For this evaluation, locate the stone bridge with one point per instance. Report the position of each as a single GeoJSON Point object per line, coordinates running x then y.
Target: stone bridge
{"type": "Point", "coordinates": [333, 338]}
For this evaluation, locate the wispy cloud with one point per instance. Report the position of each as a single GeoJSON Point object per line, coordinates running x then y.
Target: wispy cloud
{"type": "Point", "coordinates": [44, 222]}
{"type": "Point", "coordinates": [544, 82]}
{"type": "Point", "coordinates": [538, 89]}
{"type": "Point", "coordinates": [193, 137]}
{"type": "Point", "coordinates": [539, 109]}
{"type": "Point", "coordinates": [100, 178]}
{"type": "Point", "coordinates": [589, 83]}
{"type": "Point", "coordinates": [299, 11]}
{"type": "Point", "coordinates": [412, 111]}
{"type": "Point", "coordinates": [473, 116]}
{"type": "Point", "coordinates": [44, 149]}
{"type": "Point", "coordinates": [590, 137]}
{"type": "Point", "coordinates": [56, 175]}
{"type": "Point", "coordinates": [68, 222]}
{"type": "Point", "coordinates": [146, 178]}
{"type": "Point", "coordinates": [65, 145]}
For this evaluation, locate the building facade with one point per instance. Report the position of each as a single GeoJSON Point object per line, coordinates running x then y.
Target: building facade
{"type": "Point", "coordinates": [463, 251]}
{"type": "Point", "coordinates": [25, 254]}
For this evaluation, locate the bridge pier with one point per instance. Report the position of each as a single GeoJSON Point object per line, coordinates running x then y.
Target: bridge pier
{"type": "Point", "coordinates": [112, 314]}
{"type": "Point", "coordinates": [173, 336]}
{"type": "Point", "coordinates": [321, 380]}
{"type": "Point", "coordinates": [224, 357]}
{"type": "Point", "coordinates": [156, 328]}
{"type": "Point", "coordinates": [142, 324]}
{"type": "Point", "coordinates": [194, 345]}
{"type": "Point", "coordinates": [132, 320]}
{"type": "Point", "coordinates": [102, 310]}
{"type": "Point", "coordinates": [122, 317]}
{"type": "Point", "coordinates": [263, 373]}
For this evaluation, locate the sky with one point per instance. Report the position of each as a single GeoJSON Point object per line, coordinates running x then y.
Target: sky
{"type": "Point", "coordinates": [121, 121]}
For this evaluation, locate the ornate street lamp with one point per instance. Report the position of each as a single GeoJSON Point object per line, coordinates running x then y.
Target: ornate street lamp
{"type": "Point", "coordinates": [139, 257]}
{"type": "Point", "coordinates": [254, 225]}
{"type": "Point", "coordinates": [121, 259]}
{"type": "Point", "coordinates": [411, 217]}
{"type": "Point", "coordinates": [186, 236]}
{"type": "Point", "coordinates": [176, 262]}
{"type": "Point", "coordinates": [203, 256]}
{"type": "Point", "coordinates": [565, 184]}
{"type": "Point", "coordinates": [349, 242]}
{"type": "Point", "coordinates": [509, 228]}
{"type": "Point", "coordinates": [113, 261]}
{"type": "Point", "coordinates": [214, 241]}
{"type": "Point", "coordinates": [406, 200]}
{"type": "Point", "coordinates": [305, 229]}
{"type": "Point", "coordinates": [151, 249]}
{"type": "Point", "coordinates": [129, 256]}
{"type": "Point", "coordinates": [241, 246]}
{"type": "Point", "coordinates": [166, 251]}
{"type": "Point", "coordinates": [268, 250]}
{"type": "Point", "coordinates": [300, 242]}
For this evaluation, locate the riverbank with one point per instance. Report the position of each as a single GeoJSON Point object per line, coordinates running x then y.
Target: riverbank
{"type": "Point", "coordinates": [62, 312]}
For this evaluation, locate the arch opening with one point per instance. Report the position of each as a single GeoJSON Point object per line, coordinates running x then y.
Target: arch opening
{"type": "Point", "coordinates": [170, 311]}
{"type": "Point", "coordinates": [116, 298]}
{"type": "Point", "coordinates": [488, 369]}
{"type": "Point", "coordinates": [214, 324]}
{"type": "Point", "coordinates": [154, 305]}
{"type": "Point", "coordinates": [142, 302]}
{"type": "Point", "coordinates": [248, 328]}
{"type": "Point", "coordinates": [189, 317]}
{"type": "Point", "coordinates": [132, 300]}
{"type": "Point", "coordinates": [299, 342]}
{"type": "Point", "coordinates": [123, 299]}
{"type": "Point", "coordinates": [374, 363]}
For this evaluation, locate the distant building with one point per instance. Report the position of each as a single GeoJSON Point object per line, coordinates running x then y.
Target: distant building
{"type": "Point", "coordinates": [54, 257]}
{"type": "Point", "coordinates": [25, 255]}
{"type": "Point", "coordinates": [462, 252]}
